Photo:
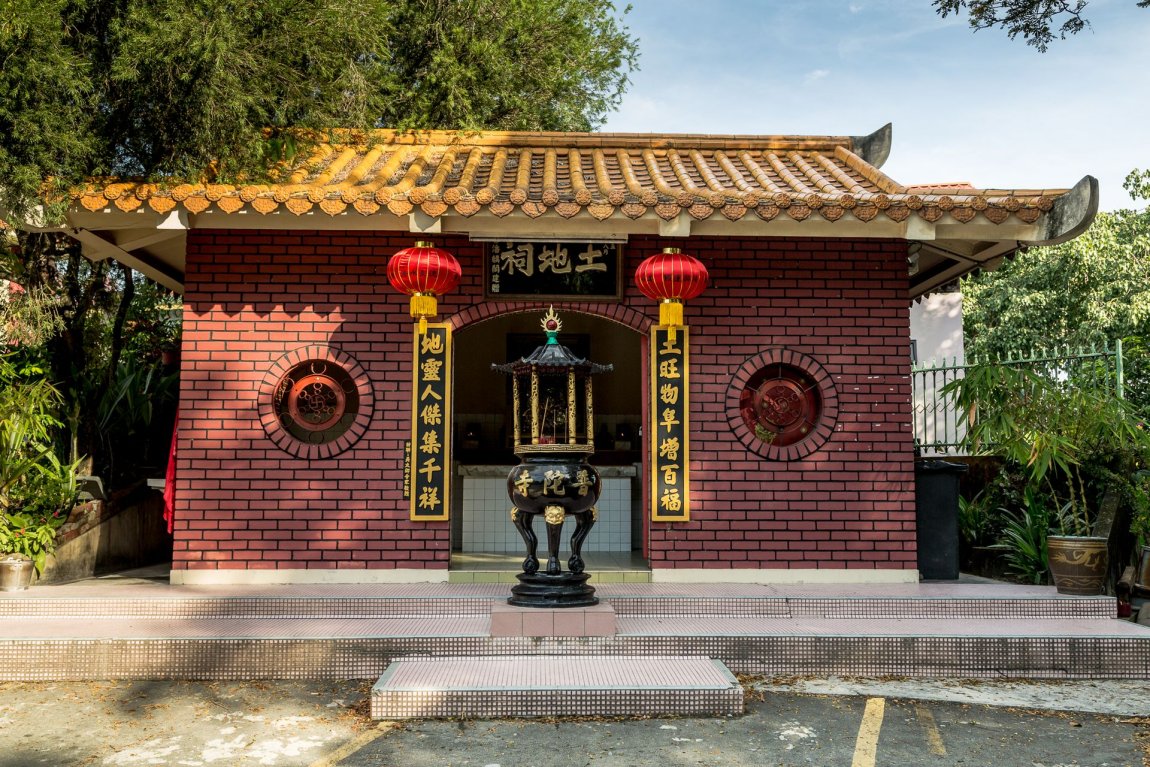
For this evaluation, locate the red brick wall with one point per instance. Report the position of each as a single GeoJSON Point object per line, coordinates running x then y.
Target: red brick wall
{"type": "Point", "coordinates": [251, 297]}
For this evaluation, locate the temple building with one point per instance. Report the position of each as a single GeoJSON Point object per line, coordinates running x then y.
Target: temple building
{"type": "Point", "coordinates": [340, 420]}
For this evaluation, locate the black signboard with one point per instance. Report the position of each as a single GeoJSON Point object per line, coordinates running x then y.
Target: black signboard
{"type": "Point", "coordinates": [670, 430]}
{"type": "Point", "coordinates": [431, 424]}
{"type": "Point", "coordinates": [555, 270]}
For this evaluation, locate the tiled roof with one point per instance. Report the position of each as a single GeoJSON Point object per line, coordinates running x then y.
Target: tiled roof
{"type": "Point", "coordinates": [596, 175]}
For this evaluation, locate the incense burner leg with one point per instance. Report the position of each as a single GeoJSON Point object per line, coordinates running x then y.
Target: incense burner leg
{"type": "Point", "coordinates": [523, 523]}
{"type": "Point", "coordinates": [584, 521]}
{"type": "Point", "coordinates": [554, 518]}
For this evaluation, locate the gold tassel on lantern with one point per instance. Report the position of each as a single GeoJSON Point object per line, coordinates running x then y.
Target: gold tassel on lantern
{"type": "Point", "coordinates": [671, 315]}
{"type": "Point", "coordinates": [423, 305]}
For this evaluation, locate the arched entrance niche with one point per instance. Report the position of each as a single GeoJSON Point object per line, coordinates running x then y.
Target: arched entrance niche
{"type": "Point", "coordinates": [482, 535]}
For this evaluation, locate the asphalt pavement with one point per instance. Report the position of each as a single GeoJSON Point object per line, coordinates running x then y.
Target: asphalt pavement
{"type": "Point", "coordinates": [860, 723]}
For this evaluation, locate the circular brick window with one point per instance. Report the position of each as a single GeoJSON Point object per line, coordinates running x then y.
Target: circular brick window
{"type": "Point", "coordinates": [782, 405]}
{"type": "Point", "coordinates": [315, 402]}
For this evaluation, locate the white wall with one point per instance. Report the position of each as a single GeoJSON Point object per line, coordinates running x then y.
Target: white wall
{"type": "Point", "coordinates": [936, 329]}
{"type": "Point", "coordinates": [936, 326]}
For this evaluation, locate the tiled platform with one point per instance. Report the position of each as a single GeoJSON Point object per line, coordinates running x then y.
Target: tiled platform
{"type": "Point", "coordinates": [150, 630]}
{"type": "Point", "coordinates": [560, 685]}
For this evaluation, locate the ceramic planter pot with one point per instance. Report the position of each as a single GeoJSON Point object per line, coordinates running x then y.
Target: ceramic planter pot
{"type": "Point", "coordinates": [1142, 573]}
{"type": "Point", "coordinates": [1078, 564]}
{"type": "Point", "coordinates": [15, 572]}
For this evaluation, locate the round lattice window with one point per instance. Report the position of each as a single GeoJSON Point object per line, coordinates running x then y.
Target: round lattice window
{"type": "Point", "coordinates": [782, 405]}
{"type": "Point", "coordinates": [316, 402]}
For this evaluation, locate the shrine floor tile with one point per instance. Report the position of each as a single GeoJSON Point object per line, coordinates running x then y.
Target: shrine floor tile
{"type": "Point", "coordinates": [556, 685]}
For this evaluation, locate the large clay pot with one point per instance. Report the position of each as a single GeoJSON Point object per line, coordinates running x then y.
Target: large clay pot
{"type": "Point", "coordinates": [1078, 563]}
{"type": "Point", "coordinates": [1142, 573]}
{"type": "Point", "coordinates": [15, 572]}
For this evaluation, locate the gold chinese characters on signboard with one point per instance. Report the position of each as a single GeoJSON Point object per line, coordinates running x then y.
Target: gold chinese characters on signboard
{"type": "Point", "coordinates": [588, 270]}
{"type": "Point", "coordinates": [431, 424]}
{"type": "Point", "coordinates": [670, 458]}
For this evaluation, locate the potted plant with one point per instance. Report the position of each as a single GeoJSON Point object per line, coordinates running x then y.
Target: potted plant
{"type": "Point", "coordinates": [1071, 440]}
{"type": "Point", "coordinates": [37, 490]}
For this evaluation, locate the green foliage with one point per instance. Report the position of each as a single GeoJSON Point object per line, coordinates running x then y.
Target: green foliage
{"type": "Point", "coordinates": [974, 520]}
{"type": "Point", "coordinates": [31, 535]}
{"type": "Point", "coordinates": [175, 90]}
{"type": "Point", "coordinates": [46, 99]}
{"type": "Point", "coordinates": [30, 318]}
{"type": "Point", "coordinates": [133, 418]}
{"type": "Point", "coordinates": [235, 90]}
{"type": "Point", "coordinates": [1069, 440]}
{"type": "Point", "coordinates": [1138, 499]}
{"type": "Point", "coordinates": [1024, 540]}
{"type": "Point", "coordinates": [507, 64]}
{"type": "Point", "coordinates": [37, 489]}
{"type": "Point", "coordinates": [1033, 19]}
{"type": "Point", "coordinates": [1084, 292]}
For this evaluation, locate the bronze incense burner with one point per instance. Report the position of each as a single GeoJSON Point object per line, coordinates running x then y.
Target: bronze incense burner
{"type": "Point", "coordinates": [553, 478]}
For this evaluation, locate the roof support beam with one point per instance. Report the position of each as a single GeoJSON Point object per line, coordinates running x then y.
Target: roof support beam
{"type": "Point", "coordinates": [679, 226]}
{"type": "Point", "coordinates": [419, 222]}
{"type": "Point", "coordinates": [919, 229]}
{"type": "Point", "coordinates": [98, 248]}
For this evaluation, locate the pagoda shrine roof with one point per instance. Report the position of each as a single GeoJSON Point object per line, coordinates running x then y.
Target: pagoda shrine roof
{"type": "Point", "coordinates": [519, 185]}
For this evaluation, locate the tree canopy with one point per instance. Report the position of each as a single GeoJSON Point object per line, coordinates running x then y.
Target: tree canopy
{"type": "Point", "coordinates": [172, 89]}
{"type": "Point", "coordinates": [200, 90]}
{"type": "Point", "coordinates": [1092, 289]}
{"type": "Point", "coordinates": [1035, 20]}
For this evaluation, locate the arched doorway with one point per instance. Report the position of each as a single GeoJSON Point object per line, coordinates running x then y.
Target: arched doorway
{"type": "Point", "coordinates": [483, 538]}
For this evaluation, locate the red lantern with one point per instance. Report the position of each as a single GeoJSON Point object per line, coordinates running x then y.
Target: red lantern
{"type": "Point", "coordinates": [423, 272]}
{"type": "Point", "coordinates": [671, 277]}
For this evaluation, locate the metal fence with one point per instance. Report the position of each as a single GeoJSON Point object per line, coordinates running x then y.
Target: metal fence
{"type": "Point", "coordinates": [937, 430]}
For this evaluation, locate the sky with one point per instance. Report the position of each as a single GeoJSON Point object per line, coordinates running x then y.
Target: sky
{"type": "Point", "coordinates": [965, 106]}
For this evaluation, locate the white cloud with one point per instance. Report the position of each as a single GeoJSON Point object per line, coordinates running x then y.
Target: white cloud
{"type": "Point", "coordinates": [816, 74]}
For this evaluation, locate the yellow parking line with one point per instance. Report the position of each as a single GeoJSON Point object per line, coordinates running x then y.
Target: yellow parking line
{"type": "Point", "coordinates": [353, 745]}
{"type": "Point", "coordinates": [866, 745]}
{"type": "Point", "coordinates": [933, 736]}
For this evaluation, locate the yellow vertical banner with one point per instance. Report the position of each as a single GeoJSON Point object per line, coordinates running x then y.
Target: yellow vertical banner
{"type": "Point", "coordinates": [431, 424]}
{"type": "Point", "coordinates": [670, 428]}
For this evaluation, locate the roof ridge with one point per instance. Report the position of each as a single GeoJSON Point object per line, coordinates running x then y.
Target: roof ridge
{"type": "Point", "coordinates": [341, 137]}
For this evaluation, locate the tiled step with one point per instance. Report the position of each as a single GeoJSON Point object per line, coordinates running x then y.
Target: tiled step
{"type": "Point", "coordinates": [137, 648]}
{"type": "Point", "coordinates": [555, 685]}
{"type": "Point", "coordinates": [508, 576]}
{"type": "Point", "coordinates": [926, 601]}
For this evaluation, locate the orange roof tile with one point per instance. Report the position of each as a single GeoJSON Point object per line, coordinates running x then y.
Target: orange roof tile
{"type": "Point", "coordinates": [596, 174]}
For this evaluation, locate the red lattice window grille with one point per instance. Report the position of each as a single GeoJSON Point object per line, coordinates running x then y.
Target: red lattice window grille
{"type": "Point", "coordinates": [315, 402]}
{"type": "Point", "coordinates": [782, 404]}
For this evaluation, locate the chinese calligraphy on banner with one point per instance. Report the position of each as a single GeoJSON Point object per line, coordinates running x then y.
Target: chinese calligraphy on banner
{"type": "Point", "coordinates": [670, 457]}
{"type": "Point", "coordinates": [554, 270]}
{"type": "Point", "coordinates": [431, 424]}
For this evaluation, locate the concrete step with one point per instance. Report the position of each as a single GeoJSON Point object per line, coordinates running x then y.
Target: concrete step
{"type": "Point", "coordinates": [285, 648]}
{"type": "Point", "coordinates": [555, 685]}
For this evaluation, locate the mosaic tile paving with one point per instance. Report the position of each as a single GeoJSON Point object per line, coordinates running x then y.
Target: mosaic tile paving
{"type": "Point", "coordinates": [93, 630]}
{"type": "Point", "coordinates": [93, 598]}
{"type": "Point", "coordinates": [555, 685]}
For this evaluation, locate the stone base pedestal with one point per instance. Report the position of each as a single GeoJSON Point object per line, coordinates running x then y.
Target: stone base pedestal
{"type": "Point", "coordinates": [511, 621]}
{"type": "Point", "coordinates": [564, 590]}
